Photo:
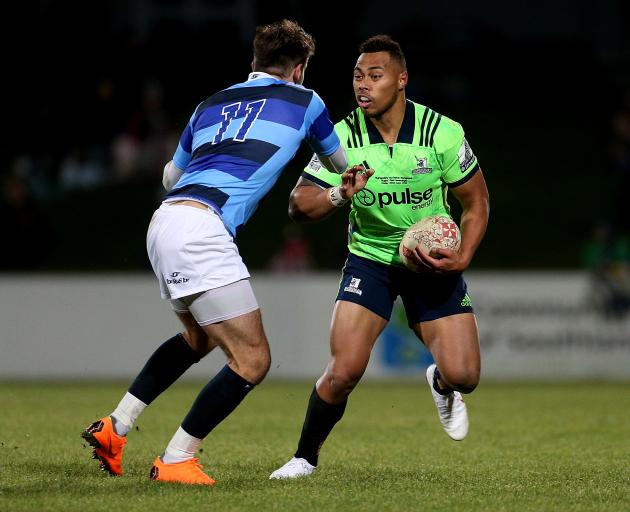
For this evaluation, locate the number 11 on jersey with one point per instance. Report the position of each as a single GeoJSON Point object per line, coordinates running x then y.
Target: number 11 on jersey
{"type": "Point", "coordinates": [232, 111]}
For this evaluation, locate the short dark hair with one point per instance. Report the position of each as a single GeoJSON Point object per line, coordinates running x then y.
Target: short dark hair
{"type": "Point", "coordinates": [283, 44]}
{"type": "Point", "coordinates": [384, 43]}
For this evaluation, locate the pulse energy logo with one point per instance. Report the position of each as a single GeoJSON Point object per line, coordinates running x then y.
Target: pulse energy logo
{"type": "Point", "coordinates": [367, 198]}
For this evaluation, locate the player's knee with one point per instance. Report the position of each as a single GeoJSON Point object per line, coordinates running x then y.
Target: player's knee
{"type": "Point", "coordinates": [257, 365]}
{"type": "Point", "coordinates": [343, 380]}
{"type": "Point", "coordinates": [198, 341]}
{"type": "Point", "coordinates": [464, 380]}
{"type": "Point", "coordinates": [262, 365]}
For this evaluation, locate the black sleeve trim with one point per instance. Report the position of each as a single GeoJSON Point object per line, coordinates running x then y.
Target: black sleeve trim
{"type": "Point", "coordinates": [465, 178]}
{"type": "Point", "coordinates": [315, 180]}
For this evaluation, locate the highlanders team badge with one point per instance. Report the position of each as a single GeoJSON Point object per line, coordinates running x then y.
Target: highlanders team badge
{"type": "Point", "coordinates": [422, 167]}
{"type": "Point", "coordinates": [353, 287]}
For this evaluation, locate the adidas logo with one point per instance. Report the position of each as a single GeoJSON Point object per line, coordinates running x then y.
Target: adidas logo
{"type": "Point", "coordinates": [466, 302]}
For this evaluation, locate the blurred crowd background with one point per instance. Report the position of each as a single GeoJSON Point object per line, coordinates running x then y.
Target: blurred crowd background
{"type": "Point", "coordinates": [99, 96]}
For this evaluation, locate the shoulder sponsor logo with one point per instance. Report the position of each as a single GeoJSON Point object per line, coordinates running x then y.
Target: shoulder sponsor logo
{"type": "Point", "coordinates": [176, 278]}
{"type": "Point", "coordinates": [315, 164]}
{"type": "Point", "coordinates": [465, 156]}
{"type": "Point", "coordinates": [353, 287]}
{"type": "Point", "coordinates": [422, 167]}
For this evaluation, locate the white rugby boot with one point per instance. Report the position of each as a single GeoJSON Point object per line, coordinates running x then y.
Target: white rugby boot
{"type": "Point", "coordinates": [451, 409]}
{"type": "Point", "coordinates": [295, 468]}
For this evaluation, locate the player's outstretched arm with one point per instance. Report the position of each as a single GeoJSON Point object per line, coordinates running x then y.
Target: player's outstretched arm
{"type": "Point", "coordinates": [310, 203]}
{"type": "Point", "coordinates": [337, 162]}
{"type": "Point", "coordinates": [475, 201]}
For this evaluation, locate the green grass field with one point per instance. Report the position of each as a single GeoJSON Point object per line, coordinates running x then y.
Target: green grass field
{"type": "Point", "coordinates": [530, 447]}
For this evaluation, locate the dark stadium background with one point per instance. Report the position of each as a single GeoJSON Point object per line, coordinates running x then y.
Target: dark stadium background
{"type": "Point", "coordinates": [96, 96]}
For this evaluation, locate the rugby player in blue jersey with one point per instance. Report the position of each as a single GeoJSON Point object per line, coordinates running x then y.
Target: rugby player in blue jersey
{"type": "Point", "coordinates": [230, 154]}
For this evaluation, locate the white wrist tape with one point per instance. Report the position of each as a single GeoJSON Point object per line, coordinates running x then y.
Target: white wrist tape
{"type": "Point", "coordinates": [334, 196]}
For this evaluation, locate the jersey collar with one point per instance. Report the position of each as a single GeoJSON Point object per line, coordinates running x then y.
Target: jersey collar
{"type": "Point", "coordinates": [257, 75]}
{"type": "Point", "coordinates": [405, 135]}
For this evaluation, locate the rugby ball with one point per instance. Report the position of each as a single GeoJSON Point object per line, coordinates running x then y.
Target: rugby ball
{"type": "Point", "coordinates": [438, 231]}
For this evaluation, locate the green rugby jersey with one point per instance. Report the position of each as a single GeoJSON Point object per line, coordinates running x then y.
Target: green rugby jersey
{"type": "Point", "coordinates": [410, 181]}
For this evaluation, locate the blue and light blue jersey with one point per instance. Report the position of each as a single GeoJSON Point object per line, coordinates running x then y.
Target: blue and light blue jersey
{"type": "Point", "coordinates": [239, 140]}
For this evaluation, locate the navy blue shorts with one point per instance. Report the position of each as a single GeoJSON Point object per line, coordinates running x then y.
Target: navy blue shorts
{"type": "Point", "coordinates": [426, 296]}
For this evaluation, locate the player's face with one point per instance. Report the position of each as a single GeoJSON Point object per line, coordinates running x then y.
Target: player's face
{"type": "Point", "coordinates": [378, 82]}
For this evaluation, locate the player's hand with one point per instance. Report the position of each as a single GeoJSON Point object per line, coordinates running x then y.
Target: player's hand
{"type": "Point", "coordinates": [440, 261]}
{"type": "Point", "coordinates": [353, 180]}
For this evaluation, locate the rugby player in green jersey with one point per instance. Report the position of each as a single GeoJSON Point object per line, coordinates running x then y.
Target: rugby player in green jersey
{"type": "Point", "coordinates": [413, 155]}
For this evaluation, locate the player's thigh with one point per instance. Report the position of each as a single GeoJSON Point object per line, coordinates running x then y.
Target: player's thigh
{"type": "Point", "coordinates": [454, 343]}
{"type": "Point", "coordinates": [230, 317]}
{"type": "Point", "coordinates": [362, 309]}
{"type": "Point", "coordinates": [243, 341]}
{"type": "Point", "coordinates": [353, 333]}
{"type": "Point", "coordinates": [239, 336]}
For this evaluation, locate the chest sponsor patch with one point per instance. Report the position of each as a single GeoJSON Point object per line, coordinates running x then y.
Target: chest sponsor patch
{"type": "Point", "coordinates": [465, 156]}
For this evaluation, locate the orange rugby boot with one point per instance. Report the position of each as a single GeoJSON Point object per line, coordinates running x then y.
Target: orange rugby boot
{"type": "Point", "coordinates": [188, 472]}
{"type": "Point", "coordinates": [108, 446]}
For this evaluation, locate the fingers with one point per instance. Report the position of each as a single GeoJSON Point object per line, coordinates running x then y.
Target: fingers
{"type": "Point", "coordinates": [441, 260]}
{"type": "Point", "coordinates": [360, 177]}
{"type": "Point", "coordinates": [352, 171]}
{"type": "Point", "coordinates": [440, 252]}
{"type": "Point", "coordinates": [426, 260]}
{"type": "Point", "coordinates": [354, 179]}
{"type": "Point", "coordinates": [357, 170]}
{"type": "Point", "coordinates": [415, 256]}
{"type": "Point", "coordinates": [349, 174]}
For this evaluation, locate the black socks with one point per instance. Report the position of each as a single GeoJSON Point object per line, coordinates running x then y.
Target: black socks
{"type": "Point", "coordinates": [167, 364]}
{"type": "Point", "coordinates": [215, 402]}
{"type": "Point", "coordinates": [320, 419]}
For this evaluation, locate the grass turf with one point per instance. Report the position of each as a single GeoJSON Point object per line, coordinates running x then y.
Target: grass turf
{"type": "Point", "coordinates": [530, 447]}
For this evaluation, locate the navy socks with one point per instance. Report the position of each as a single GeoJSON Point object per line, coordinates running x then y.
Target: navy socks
{"type": "Point", "coordinates": [320, 419]}
{"type": "Point", "coordinates": [215, 402]}
{"type": "Point", "coordinates": [167, 364]}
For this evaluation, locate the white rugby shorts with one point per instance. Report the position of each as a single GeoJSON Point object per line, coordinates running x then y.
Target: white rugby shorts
{"type": "Point", "coordinates": [191, 251]}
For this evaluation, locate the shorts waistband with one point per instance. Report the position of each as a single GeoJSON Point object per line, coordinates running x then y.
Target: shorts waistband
{"type": "Point", "coordinates": [192, 203]}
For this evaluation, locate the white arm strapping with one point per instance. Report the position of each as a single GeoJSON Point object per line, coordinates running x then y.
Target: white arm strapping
{"type": "Point", "coordinates": [337, 162]}
{"type": "Point", "coordinates": [172, 173]}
